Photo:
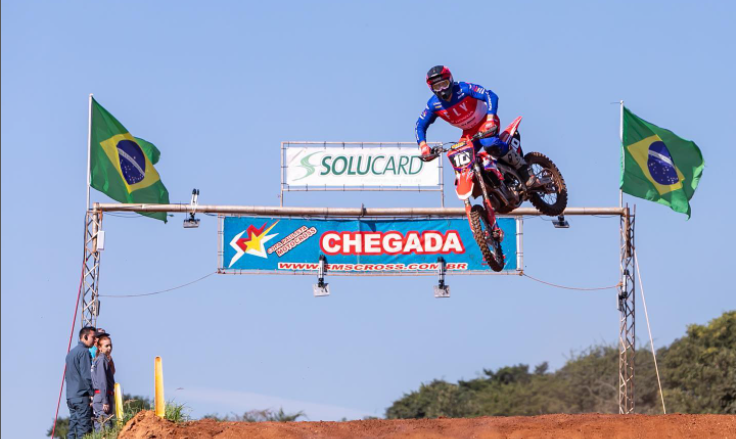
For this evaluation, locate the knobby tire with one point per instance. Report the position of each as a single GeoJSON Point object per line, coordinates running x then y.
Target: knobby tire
{"type": "Point", "coordinates": [536, 198]}
{"type": "Point", "coordinates": [492, 255]}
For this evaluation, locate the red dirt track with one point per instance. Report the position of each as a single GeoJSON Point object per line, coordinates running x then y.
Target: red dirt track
{"type": "Point", "coordinates": [589, 426]}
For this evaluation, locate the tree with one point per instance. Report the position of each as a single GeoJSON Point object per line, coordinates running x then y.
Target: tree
{"type": "Point", "coordinates": [438, 398]}
{"type": "Point", "coordinates": [699, 370]}
{"type": "Point", "coordinates": [698, 376]}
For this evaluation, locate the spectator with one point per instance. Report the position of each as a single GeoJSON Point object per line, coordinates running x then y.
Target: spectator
{"type": "Point", "coordinates": [93, 349]}
{"type": "Point", "coordinates": [79, 390]}
{"type": "Point", "coordinates": [103, 383]}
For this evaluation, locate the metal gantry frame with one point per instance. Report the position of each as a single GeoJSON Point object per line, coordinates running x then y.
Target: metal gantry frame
{"type": "Point", "coordinates": [91, 275]}
{"type": "Point", "coordinates": [627, 316]}
{"type": "Point", "coordinates": [625, 295]}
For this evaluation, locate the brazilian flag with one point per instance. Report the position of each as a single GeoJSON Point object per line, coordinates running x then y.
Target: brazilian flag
{"type": "Point", "coordinates": [659, 166]}
{"type": "Point", "coordinates": [121, 166]}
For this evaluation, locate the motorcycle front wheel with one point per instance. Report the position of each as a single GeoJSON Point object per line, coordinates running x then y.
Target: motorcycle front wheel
{"type": "Point", "coordinates": [489, 247]}
{"type": "Point", "coordinates": [552, 198]}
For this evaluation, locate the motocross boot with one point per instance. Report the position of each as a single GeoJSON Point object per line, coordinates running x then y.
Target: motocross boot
{"type": "Point", "coordinates": [517, 161]}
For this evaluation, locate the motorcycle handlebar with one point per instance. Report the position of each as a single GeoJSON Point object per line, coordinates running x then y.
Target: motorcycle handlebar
{"type": "Point", "coordinates": [437, 150]}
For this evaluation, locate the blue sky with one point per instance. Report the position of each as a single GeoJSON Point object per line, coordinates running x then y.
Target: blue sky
{"type": "Point", "coordinates": [218, 85]}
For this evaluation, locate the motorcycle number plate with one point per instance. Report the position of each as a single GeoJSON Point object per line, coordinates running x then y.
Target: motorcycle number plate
{"type": "Point", "coordinates": [462, 159]}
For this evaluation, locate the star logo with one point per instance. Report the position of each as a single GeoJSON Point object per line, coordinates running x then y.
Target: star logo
{"type": "Point", "coordinates": [253, 244]}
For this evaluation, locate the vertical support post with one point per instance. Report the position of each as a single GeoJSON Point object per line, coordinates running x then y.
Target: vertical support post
{"type": "Point", "coordinates": [90, 300]}
{"type": "Point", "coordinates": [520, 243]}
{"type": "Point", "coordinates": [118, 405]}
{"type": "Point", "coordinates": [442, 182]}
{"type": "Point", "coordinates": [158, 378]}
{"type": "Point", "coordinates": [623, 160]}
{"type": "Point", "coordinates": [283, 172]}
{"type": "Point", "coordinates": [89, 149]}
{"type": "Point", "coordinates": [627, 322]}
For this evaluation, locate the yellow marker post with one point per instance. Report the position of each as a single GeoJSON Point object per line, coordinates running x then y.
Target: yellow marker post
{"type": "Point", "coordinates": [118, 404]}
{"type": "Point", "coordinates": [158, 379]}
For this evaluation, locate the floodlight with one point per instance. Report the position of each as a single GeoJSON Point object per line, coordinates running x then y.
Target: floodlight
{"type": "Point", "coordinates": [441, 290]}
{"type": "Point", "coordinates": [191, 222]}
{"type": "Point", "coordinates": [561, 223]}
{"type": "Point", "coordinates": [321, 289]}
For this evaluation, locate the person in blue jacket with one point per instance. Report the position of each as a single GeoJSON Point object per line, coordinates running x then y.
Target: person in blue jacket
{"type": "Point", "coordinates": [103, 382]}
{"type": "Point", "coordinates": [471, 108]}
{"type": "Point", "coordinates": [79, 389]}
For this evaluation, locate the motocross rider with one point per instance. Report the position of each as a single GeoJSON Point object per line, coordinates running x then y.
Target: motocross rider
{"type": "Point", "coordinates": [471, 108]}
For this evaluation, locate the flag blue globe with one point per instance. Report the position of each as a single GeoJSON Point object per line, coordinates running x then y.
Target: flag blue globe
{"type": "Point", "coordinates": [132, 161]}
{"type": "Point", "coordinates": [660, 164]}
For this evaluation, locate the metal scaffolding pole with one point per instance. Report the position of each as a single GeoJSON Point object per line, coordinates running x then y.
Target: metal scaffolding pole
{"type": "Point", "coordinates": [327, 212]}
{"type": "Point", "coordinates": [627, 321]}
{"type": "Point", "coordinates": [91, 283]}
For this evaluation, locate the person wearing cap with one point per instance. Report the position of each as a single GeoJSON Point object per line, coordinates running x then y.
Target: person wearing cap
{"type": "Point", "coordinates": [79, 389]}
{"type": "Point", "coordinates": [103, 383]}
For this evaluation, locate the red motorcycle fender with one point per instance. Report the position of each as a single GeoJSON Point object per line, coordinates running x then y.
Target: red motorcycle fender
{"type": "Point", "coordinates": [510, 130]}
{"type": "Point", "coordinates": [464, 185]}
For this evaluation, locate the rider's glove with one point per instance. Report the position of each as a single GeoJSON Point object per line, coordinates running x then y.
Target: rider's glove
{"type": "Point", "coordinates": [491, 124]}
{"type": "Point", "coordinates": [425, 149]}
{"type": "Point", "coordinates": [426, 152]}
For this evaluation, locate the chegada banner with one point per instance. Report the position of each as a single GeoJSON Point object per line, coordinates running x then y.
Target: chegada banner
{"type": "Point", "coordinates": [397, 246]}
{"type": "Point", "coordinates": [338, 166]}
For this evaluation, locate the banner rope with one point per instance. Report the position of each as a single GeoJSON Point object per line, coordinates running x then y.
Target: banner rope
{"type": "Point", "coordinates": [71, 336]}
{"type": "Point", "coordinates": [122, 296]}
{"type": "Point", "coordinates": [651, 341]}
{"type": "Point", "coordinates": [571, 288]}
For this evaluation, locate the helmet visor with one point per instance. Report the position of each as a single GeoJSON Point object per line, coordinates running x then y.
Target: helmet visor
{"type": "Point", "coordinates": [441, 85]}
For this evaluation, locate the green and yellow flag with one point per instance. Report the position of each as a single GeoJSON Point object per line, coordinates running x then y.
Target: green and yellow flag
{"type": "Point", "coordinates": [659, 166]}
{"type": "Point", "coordinates": [121, 166]}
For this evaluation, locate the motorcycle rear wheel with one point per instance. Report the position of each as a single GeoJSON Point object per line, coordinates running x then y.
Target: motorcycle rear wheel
{"type": "Point", "coordinates": [552, 201]}
{"type": "Point", "coordinates": [490, 248]}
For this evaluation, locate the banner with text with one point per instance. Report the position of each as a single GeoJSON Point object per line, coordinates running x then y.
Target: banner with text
{"type": "Point", "coordinates": [290, 245]}
{"type": "Point", "coordinates": [337, 166]}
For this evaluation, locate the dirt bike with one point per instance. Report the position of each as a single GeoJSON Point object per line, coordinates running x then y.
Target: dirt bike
{"type": "Point", "coordinates": [501, 187]}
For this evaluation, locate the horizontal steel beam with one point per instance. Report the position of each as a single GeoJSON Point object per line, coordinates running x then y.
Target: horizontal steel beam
{"type": "Point", "coordinates": [323, 212]}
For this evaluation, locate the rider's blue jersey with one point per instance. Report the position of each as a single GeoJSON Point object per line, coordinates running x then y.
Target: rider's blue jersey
{"type": "Point", "coordinates": [469, 106]}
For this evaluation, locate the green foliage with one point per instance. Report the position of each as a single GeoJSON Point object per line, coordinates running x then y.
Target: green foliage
{"type": "Point", "coordinates": [132, 404]}
{"type": "Point", "coordinates": [698, 373]}
{"type": "Point", "coordinates": [177, 412]}
{"type": "Point", "coordinates": [266, 415]}
{"type": "Point", "coordinates": [699, 370]}
{"type": "Point", "coordinates": [62, 428]}
{"type": "Point", "coordinates": [438, 398]}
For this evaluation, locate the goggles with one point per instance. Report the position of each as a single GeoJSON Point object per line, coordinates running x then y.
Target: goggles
{"type": "Point", "coordinates": [441, 85]}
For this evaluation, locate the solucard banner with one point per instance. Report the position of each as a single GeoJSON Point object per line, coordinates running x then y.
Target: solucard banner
{"type": "Point", "coordinates": [384, 247]}
{"type": "Point", "coordinates": [355, 166]}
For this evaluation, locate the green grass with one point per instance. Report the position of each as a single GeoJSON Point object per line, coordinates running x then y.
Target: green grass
{"type": "Point", "coordinates": [174, 412]}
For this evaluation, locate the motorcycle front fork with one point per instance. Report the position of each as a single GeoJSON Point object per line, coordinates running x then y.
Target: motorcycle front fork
{"type": "Point", "coordinates": [490, 213]}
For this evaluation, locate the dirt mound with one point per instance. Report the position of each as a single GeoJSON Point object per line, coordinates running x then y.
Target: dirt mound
{"type": "Point", "coordinates": [589, 426]}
